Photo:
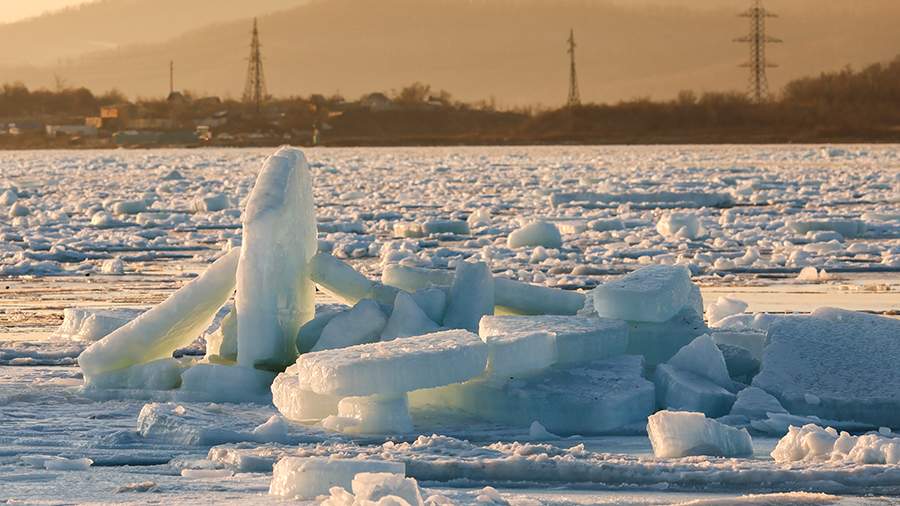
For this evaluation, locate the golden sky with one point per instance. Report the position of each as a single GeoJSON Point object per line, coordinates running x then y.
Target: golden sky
{"type": "Point", "coordinates": [14, 10]}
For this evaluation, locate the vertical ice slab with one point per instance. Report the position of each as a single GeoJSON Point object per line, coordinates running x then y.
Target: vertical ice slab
{"type": "Point", "coordinates": [275, 292]}
{"type": "Point", "coordinates": [471, 296]}
{"type": "Point", "coordinates": [172, 324]}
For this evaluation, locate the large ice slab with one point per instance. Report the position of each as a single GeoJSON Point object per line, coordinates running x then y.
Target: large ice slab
{"type": "Point", "coordinates": [835, 364]}
{"type": "Point", "coordinates": [394, 367]}
{"type": "Point", "coordinates": [92, 324]}
{"type": "Point", "coordinates": [339, 279]}
{"type": "Point", "coordinates": [309, 477]}
{"type": "Point", "coordinates": [274, 291]}
{"type": "Point", "coordinates": [471, 296]}
{"type": "Point", "coordinates": [578, 339]}
{"type": "Point", "coordinates": [676, 434]}
{"type": "Point", "coordinates": [514, 354]}
{"type": "Point", "coordinates": [600, 397]}
{"type": "Point", "coordinates": [174, 323]}
{"type": "Point", "coordinates": [651, 294]}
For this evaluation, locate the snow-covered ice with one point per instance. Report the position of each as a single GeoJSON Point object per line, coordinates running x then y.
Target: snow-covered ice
{"type": "Point", "coordinates": [307, 478]}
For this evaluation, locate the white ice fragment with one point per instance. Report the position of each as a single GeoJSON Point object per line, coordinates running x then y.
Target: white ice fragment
{"type": "Point", "coordinates": [309, 477]}
{"type": "Point", "coordinates": [377, 486]}
{"type": "Point", "coordinates": [394, 367]}
{"type": "Point", "coordinates": [407, 319]}
{"type": "Point", "coordinates": [651, 294]}
{"type": "Point", "coordinates": [844, 359]}
{"type": "Point", "coordinates": [273, 429]}
{"type": "Point", "coordinates": [90, 324]}
{"type": "Point", "coordinates": [174, 323]}
{"type": "Point", "coordinates": [445, 227]}
{"type": "Point", "coordinates": [471, 296]}
{"type": "Point", "coordinates": [578, 339]}
{"type": "Point", "coordinates": [675, 434]}
{"type": "Point", "coordinates": [18, 209]}
{"type": "Point", "coordinates": [538, 432]}
{"type": "Point", "coordinates": [361, 324]}
{"type": "Point", "coordinates": [298, 404]}
{"type": "Point", "coordinates": [210, 203]}
{"type": "Point", "coordinates": [129, 207]}
{"type": "Point", "coordinates": [54, 463]}
{"type": "Point", "coordinates": [813, 443]}
{"type": "Point", "coordinates": [539, 233]}
{"type": "Point", "coordinates": [311, 331]}
{"type": "Point", "coordinates": [274, 291]}
{"type": "Point", "coordinates": [808, 273]}
{"type": "Point", "coordinates": [222, 343]}
{"type": "Point", "coordinates": [701, 356]}
{"type": "Point", "coordinates": [847, 228]}
{"type": "Point", "coordinates": [530, 299]}
{"type": "Point", "coordinates": [680, 226]}
{"type": "Point", "coordinates": [112, 266]}
{"type": "Point", "coordinates": [722, 308]}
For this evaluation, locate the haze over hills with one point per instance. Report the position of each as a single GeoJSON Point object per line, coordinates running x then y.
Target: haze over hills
{"type": "Point", "coordinates": [60, 35]}
{"type": "Point", "coordinates": [512, 50]}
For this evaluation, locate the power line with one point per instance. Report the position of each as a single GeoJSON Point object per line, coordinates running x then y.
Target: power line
{"type": "Point", "coordinates": [574, 96]}
{"type": "Point", "coordinates": [255, 88]}
{"type": "Point", "coordinates": [757, 40]}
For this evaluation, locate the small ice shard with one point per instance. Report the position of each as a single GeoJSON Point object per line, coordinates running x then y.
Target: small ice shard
{"type": "Point", "coordinates": [374, 414]}
{"type": "Point", "coordinates": [675, 434]}
{"type": "Point", "coordinates": [297, 404]}
{"type": "Point", "coordinates": [174, 323]}
{"type": "Point", "coordinates": [651, 294]}
{"type": "Point", "coordinates": [539, 233]}
{"type": "Point", "coordinates": [309, 477]}
{"type": "Point", "coordinates": [756, 404]}
{"type": "Point", "coordinates": [702, 356]}
{"type": "Point", "coordinates": [471, 296]}
{"type": "Point", "coordinates": [394, 367]}
{"type": "Point", "coordinates": [361, 324]}
{"type": "Point", "coordinates": [275, 294]}
{"type": "Point", "coordinates": [578, 339]}
{"type": "Point", "coordinates": [407, 319]}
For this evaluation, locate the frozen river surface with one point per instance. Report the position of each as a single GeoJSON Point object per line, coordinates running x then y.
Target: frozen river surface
{"type": "Point", "coordinates": [126, 228]}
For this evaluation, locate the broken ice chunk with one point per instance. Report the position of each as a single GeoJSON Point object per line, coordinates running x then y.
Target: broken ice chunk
{"type": "Point", "coordinates": [297, 404]}
{"type": "Point", "coordinates": [702, 356]}
{"type": "Point", "coordinates": [407, 319]}
{"type": "Point", "coordinates": [675, 434]}
{"type": "Point", "coordinates": [339, 279]}
{"type": "Point", "coordinates": [162, 374]}
{"type": "Point", "coordinates": [172, 324]}
{"type": "Point", "coordinates": [274, 291]}
{"type": "Point", "coordinates": [225, 383]}
{"type": "Point", "coordinates": [756, 404]}
{"type": "Point", "coordinates": [361, 324]}
{"type": "Point", "coordinates": [515, 354]}
{"type": "Point", "coordinates": [309, 477]}
{"type": "Point", "coordinates": [658, 342]}
{"type": "Point", "coordinates": [652, 294]}
{"type": "Point", "coordinates": [684, 390]}
{"type": "Point", "coordinates": [91, 324]}
{"type": "Point", "coordinates": [374, 414]}
{"type": "Point", "coordinates": [539, 233]}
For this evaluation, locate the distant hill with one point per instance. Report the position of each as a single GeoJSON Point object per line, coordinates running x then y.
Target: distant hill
{"type": "Point", "coordinates": [62, 35]}
{"type": "Point", "coordinates": [512, 50]}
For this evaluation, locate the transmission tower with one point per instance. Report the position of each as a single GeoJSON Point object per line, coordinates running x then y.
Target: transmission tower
{"type": "Point", "coordinates": [255, 89]}
{"type": "Point", "coordinates": [757, 40]}
{"type": "Point", "coordinates": [574, 97]}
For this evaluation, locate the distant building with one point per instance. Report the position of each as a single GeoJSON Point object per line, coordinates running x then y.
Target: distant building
{"type": "Point", "coordinates": [110, 112]}
{"type": "Point", "coordinates": [94, 121]}
{"type": "Point", "coordinates": [24, 127]}
{"type": "Point", "coordinates": [377, 102]}
{"type": "Point", "coordinates": [71, 130]}
{"type": "Point", "coordinates": [150, 123]}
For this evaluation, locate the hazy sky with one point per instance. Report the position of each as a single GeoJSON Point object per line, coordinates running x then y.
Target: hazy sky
{"type": "Point", "coordinates": [14, 10]}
